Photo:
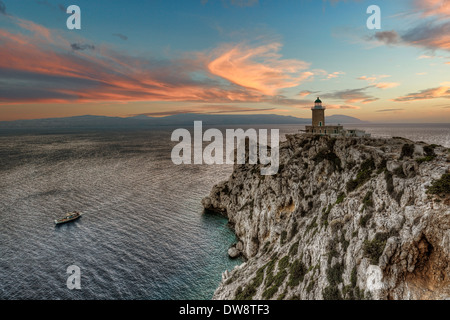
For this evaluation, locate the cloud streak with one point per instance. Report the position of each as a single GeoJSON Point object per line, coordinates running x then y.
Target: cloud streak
{"type": "Point", "coordinates": [2, 8]}
{"type": "Point", "coordinates": [380, 85]}
{"type": "Point", "coordinates": [121, 36]}
{"type": "Point", "coordinates": [434, 93]}
{"type": "Point", "coordinates": [387, 85]}
{"type": "Point", "coordinates": [433, 7]}
{"type": "Point", "coordinates": [351, 96]}
{"type": "Point", "coordinates": [335, 75]}
{"type": "Point", "coordinates": [82, 47]}
{"type": "Point", "coordinates": [237, 3]}
{"type": "Point", "coordinates": [390, 110]}
{"type": "Point", "coordinates": [210, 109]}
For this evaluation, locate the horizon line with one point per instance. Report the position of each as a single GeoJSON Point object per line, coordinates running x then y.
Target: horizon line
{"type": "Point", "coordinates": [217, 115]}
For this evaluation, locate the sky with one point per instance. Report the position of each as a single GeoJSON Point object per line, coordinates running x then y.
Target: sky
{"type": "Point", "coordinates": [159, 58]}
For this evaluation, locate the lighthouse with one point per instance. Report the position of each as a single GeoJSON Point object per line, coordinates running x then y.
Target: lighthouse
{"type": "Point", "coordinates": [318, 114]}
{"type": "Point", "coordinates": [318, 125]}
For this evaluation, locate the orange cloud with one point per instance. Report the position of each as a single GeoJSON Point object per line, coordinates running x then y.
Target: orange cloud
{"type": "Point", "coordinates": [380, 85]}
{"type": "Point", "coordinates": [370, 79]}
{"type": "Point", "coordinates": [434, 93]}
{"type": "Point", "coordinates": [259, 68]}
{"type": "Point", "coordinates": [434, 7]}
{"type": "Point", "coordinates": [37, 30]}
{"type": "Point", "coordinates": [334, 106]}
{"type": "Point", "coordinates": [335, 74]}
{"type": "Point", "coordinates": [304, 93]}
{"type": "Point", "coordinates": [387, 85]}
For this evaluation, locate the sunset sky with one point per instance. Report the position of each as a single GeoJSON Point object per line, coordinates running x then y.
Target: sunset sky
{"type": "Point", "coordinates": [225, 56]}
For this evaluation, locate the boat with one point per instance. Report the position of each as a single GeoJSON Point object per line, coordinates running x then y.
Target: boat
{"type": "Point", "coordinates": [71, 216]}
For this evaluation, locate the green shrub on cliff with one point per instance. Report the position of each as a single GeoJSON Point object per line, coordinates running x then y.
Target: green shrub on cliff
{"type": "Point", "coordinates": [354, 277]}
{"type": "Point", "coordinates": [364, 219]}
{"type": "Point", "coordinates": [334, 274]}
{"type": "Point", "coordinates": [283, 237]}
{"type": "Point", "coordinates": [374, 249]}
{"type": "Point", "coordinates": [252, 286]}
{"type": "Point", "coordinates": [407, 151]}
{"type": "Point", "coordinates": [277, 282]}
{"type": "Point", "coordinates": [331, 293]}
{"type": "Point", "coordinates": [326, 154]}
{"type": "Point", "coordinates": [340, 198]}
{"type": "Point", "coordinates": [441, 186]}
{"type": "Point", "coordinates": [293, 249]}
{"type": "Point", "coordinates": [297, 273]}
{"type": "Point", "coordinates": [363, 175]}
{"type": "Point", "coordinates": [425, 159]}
{"type": "Point", "coordinates": [283, 263]}
{"type": "Point", "coordinates": [390, 188]}
{"type": "Point", "coordinates": [325, 214]}
{"type": "Point", "coordinates": [368, 199]}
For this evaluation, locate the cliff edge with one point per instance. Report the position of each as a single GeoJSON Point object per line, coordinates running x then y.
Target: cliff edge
{"type": "Point", "coordinates": [344, 218]}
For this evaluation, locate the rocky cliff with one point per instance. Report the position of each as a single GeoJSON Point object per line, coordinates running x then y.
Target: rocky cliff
{"type": "Point", "coordinates": [345, 218]}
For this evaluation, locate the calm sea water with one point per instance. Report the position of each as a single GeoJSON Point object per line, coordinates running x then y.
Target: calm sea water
{"type": "Point", "coordinates": [143, 234]}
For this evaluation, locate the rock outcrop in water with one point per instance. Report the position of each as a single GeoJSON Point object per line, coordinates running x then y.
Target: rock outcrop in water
{"type": "Point", "coordinates": [345, 218]}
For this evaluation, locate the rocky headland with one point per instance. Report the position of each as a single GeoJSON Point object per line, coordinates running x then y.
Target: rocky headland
{"type": "Point", "coordinates": [344, 218]}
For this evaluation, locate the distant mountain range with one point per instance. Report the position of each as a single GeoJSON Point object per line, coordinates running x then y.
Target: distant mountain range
{"type": "Point", "coordinates": [181, 120]}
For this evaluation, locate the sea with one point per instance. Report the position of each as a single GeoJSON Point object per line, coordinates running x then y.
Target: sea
{"type": "Point", "coordinates": [143, 234]}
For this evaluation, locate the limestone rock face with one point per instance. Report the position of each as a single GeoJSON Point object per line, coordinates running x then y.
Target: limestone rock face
{"type": "Point", "coordinates": [345, 218]}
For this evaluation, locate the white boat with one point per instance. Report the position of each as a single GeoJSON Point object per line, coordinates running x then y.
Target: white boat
{"type": "Point", "coordinates": [71, 216]}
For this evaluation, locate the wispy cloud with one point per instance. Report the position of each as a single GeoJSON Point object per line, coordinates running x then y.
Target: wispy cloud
{"type": "Point", "coordinates": [374, 80]}
{"type": "Point", "coordinates": [434, 93]}
{"type": "Point", "coordinates": [237, 3]}
{"type": "Point", "coordinates": [390, 110]}
{"type": "Point", "coordinates": [2, 8]}
{"type": "Point", "coordinates": [351, 95]}
{"type": "Point", "coordinates": [208, 109]}
{"type": "Point", "coordinates": [259, 68]}
{"type": "Point", "coordinates": [121, 36]}
{"type": "Point", "coordinates": [305, 93]}
{"type": "Point", "coordinates": [433, 7]}
{"type": "Point", "coordinates": [387, 85]}
{"type": "Point", "coordinates": [335, 74]}
{"type": "Point", "coordinates": [388, 37]}
{"type": "Point", "coordinates": [81, 47]}
{"type": "Point", "coordinates": [425, 56]}
{"type": "Point", "coordinates": [370, 79]}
